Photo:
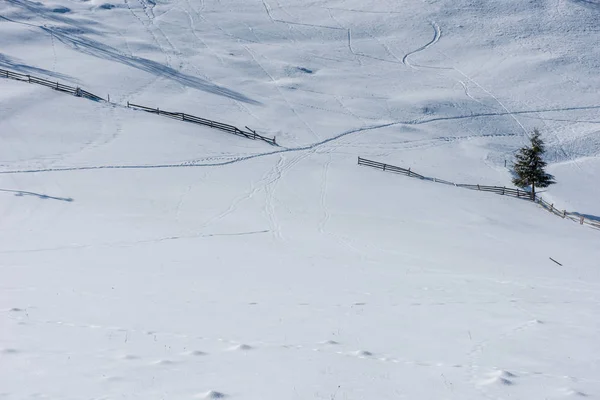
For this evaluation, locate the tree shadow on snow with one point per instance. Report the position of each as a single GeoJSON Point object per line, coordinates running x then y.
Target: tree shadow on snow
{"type": "Point", "coordinates": [21, 193]}
{"type": "Point", "coordinates": [587, 216]}
{"type": "Point", "coordinates": [590, 4]}
{"type": "Point", "coordinates": [10, 63]}
{"type": "Point", "coordinates": [101, 50]}
{"type": "Point", "coordinates": [56, 15]}
{"type": "Point", "coordinates": [70, 35]}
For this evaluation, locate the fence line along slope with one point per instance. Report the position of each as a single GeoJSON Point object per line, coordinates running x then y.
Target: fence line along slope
{"type": "Point", "coordinates": [77, 91]}
{"type": "Point", "coordinates": [250, 134]}
{"type": "Point", "coordinates": [574, 216]}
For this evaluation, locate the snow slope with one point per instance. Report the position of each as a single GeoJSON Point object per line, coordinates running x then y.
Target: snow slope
{"type": "Point", "coordinates": [145, 257]}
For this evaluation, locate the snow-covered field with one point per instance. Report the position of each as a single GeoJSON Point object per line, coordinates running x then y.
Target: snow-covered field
{"type": "Point", "coordinates": [144, 257]}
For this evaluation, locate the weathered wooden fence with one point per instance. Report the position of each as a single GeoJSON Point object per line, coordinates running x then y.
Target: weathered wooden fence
{"type": "Point", "coordinates": [494, 189]}
{"type": "Point", "coordinates": [75, 91]}
{"type": "Point", "coordinates": [250, 134]}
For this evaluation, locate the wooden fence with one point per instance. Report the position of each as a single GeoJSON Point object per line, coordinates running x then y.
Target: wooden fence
{"type": "Point", "coordinates": [75, 91]}
{"type": "Point", "coordinates": [494, 189]}
{"type": "Point", "coordinates": [250, 134]}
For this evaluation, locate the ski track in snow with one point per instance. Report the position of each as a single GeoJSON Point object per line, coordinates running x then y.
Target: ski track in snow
{"type": "Point", "coordinates": [437, 34]}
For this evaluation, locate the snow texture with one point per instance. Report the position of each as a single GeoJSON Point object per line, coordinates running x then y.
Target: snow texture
{"type": "Point", "coordinates": [143, 257]}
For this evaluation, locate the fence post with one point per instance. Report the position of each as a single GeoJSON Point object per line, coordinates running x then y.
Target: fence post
{"type": "Point", "coordinates": [157, 111]}
{"type": "Point", "coordinates": [28, 78]}
{"type": "Point", "coordinates": [564, 213]}
{"type": "Point", "coordinates": [552, 207]}
{"type": "Point", "coordinates": [56, 85]}
{"type": "Point", "coordinates": [127, 103]}
{"type": "Point", "coordinates": [581, 220]}
{"type": "Point", "coordinates": [409, 172]}
{"type": "Point", "coordinates": [518, 193]}
{"type": "Point", "coordinates": [478, 187]}
{"type": "Point", "coordinates": [384, 167]}
{"type": "Point", "coordinates": [503, 190]}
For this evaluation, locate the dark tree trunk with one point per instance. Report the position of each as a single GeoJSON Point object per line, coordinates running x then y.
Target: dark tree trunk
{"type": "Point", "coordinates": [533, 191]}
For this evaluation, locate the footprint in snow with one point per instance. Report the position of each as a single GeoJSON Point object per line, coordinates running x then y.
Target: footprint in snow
{"type": "Point", "coordinates": [164, 362]}
{"type": "Point", "coordinates": [500, 377]}
{"type": "Point", "coordinates": [363, 354]}
{"type": "Point", "coordinates": [196, 353]}
{"type": "Point", "coordinates": [212, 394]}
{"type": "Point", "coordinates": [129, 357]}
{"type": "Point", "coordinates": [573, 392]}
{"type": "Point", "coordinates": [242, 347]}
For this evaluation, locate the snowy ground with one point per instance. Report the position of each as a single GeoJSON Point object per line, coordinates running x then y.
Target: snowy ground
{"type": "Point", "coordinates": [148, 258]}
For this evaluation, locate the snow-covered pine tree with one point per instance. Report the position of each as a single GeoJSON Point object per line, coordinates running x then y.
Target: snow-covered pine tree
{"type": "Point", "coordinates": [530, 167]}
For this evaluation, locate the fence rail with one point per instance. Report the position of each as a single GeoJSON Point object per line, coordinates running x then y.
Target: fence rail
{"type": "Point", "coordinates": [494, 189]}
{"type": "Point", "coordinates": [75, 91]}
{"type": "Point", "coordinates": [249, 134]}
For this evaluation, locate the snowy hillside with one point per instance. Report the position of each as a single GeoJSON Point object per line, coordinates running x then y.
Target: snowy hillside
{"type": "Point", "coordinates": [145, 257]}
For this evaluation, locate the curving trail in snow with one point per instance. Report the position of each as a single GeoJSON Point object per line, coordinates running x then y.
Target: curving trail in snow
{"type": "Point", "coordinates": [437, 35]}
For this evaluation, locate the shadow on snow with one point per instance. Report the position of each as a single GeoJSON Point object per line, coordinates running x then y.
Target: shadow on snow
{"type": "Point", "coordinates": [42, 196]}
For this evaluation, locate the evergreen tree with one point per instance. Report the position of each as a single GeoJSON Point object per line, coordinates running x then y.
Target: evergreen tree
{"type": "Point", "coordinates": [529, 166]}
